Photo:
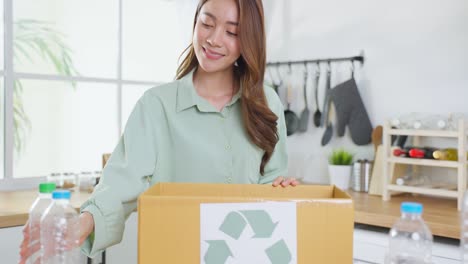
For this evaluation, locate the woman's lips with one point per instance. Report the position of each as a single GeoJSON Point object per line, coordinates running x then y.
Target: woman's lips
{"type": "Point", "coordinates": [211, 54]}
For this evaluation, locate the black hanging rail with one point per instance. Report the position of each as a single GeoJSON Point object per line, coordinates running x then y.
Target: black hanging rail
{"type": "Point", "coordinates": [359, 58]}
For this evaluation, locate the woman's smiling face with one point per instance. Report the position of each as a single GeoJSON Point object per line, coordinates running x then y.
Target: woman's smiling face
{"type": "Point", "coordinates": [215, 37]}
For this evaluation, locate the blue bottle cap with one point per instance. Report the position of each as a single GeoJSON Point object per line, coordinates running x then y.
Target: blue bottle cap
{"type": "Point", "coordinates": [409, 207]}
{"type": "Point", "coordinates": [63, 194]}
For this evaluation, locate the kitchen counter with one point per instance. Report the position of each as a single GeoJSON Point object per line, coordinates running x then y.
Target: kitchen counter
{"type": "Point", "coordinates": [439, 213]}
{"type": "Point", "coordinates": [14, 206]}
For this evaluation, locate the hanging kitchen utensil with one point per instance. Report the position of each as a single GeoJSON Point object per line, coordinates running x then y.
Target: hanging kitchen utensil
{"type": "Point", "coordinates": [326, 111]}
{"type": "Point", "coordinates": [317, 114]}
{"type": "Point", "coordinates": [291, 119]}
{"type": "Point", "coordinates": [274, 84]}
{"type": "Point", "coordinates": [351, 112]}
{"type": "Point", "coordinates": [304, 117]}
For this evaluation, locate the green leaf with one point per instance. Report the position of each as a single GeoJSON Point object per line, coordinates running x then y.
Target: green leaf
{"type": "Point", "coordinates": [341, 157]}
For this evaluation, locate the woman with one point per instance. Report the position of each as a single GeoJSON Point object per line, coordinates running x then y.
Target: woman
{"type": "Point", "coordinates": [216, 123]}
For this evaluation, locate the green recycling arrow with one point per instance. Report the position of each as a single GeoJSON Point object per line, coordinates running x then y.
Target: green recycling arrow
{"type": "Point", "coordinates": [261, 223]}
{"type": "Point", "coordinates": [279, 253]}
{"type": "Point", "coordinates": [233, 225]}
{"type": "Point", "coordinates": [217, 253]}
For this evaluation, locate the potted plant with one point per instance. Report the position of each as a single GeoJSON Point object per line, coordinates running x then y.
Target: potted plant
{"type": "Point", "coordinates": [340, 167]}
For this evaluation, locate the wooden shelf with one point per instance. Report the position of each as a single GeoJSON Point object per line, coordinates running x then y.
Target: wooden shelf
{"type": "Point", "coordinates": [460, 135]}
{"type": "Point", "coordinates": [424, 162]}
{"type": "Point", "coordinates": [423, 190]}
{"type": "Point", "coordinates": [424, 133]}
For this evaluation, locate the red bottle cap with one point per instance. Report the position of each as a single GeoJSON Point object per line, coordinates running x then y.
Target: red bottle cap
{"type": "Point", "coordinates": [399, 152]}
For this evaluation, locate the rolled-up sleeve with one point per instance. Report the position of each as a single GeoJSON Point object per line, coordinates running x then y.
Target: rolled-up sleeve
{"type": "Point", "coordinates": [278, 164]}
{"type": "Point", "coordinates": [124, 178]}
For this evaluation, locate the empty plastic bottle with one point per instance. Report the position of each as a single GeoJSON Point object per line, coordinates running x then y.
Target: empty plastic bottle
{"type": "Point", "coordinates": [410, 239]}
{"type": "Point", "coordinates": [42, 202]}
{"type": "Point", "coordinates": [413, 178]}
{"type": "Point", "coordinates": [60, 231]}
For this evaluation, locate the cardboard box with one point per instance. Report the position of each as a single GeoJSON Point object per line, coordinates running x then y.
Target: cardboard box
{"type": "Point", "coordinates": [169, 220]}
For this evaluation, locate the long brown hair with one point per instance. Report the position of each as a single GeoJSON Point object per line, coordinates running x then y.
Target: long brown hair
{"type": "Point", "coordinates": [259, 121]}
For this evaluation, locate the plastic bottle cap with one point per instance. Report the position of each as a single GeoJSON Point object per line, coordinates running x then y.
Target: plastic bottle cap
{"type": "Point", "coordinates": [47, 187]}
{"type": "Point", "coordinates": [63, 194]}
{"type": "Point", "coordinates": [441, 124]}
{"type": "Point", "coordinates": [395, 122]}
{"type": "Point", "coordinates": [409, 207]}
{"type": "Point", "coordinates": [400, 181]}
{"type": "Point", "coordinates": [417, 125]}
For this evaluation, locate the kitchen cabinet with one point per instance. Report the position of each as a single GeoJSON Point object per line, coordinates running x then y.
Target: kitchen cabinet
{"type": "Point", "coordinates": [371, 243]}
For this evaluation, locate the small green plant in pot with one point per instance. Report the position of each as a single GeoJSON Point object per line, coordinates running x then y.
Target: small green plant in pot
{"type": "Point", "coordinates": [339, 168]}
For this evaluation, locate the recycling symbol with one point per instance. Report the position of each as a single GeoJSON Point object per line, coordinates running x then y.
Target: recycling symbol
{"type": "Point", "coordinates": [234, 225]}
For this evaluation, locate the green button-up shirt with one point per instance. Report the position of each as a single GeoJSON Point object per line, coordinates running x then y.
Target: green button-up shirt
{"type": "Point", "coordinates": [174, 135]}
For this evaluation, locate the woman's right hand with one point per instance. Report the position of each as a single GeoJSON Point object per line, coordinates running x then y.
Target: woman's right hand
{"type": "Point", "coordinates": [29, 238]}
{"type": "Point", "coordinates": [86, 228]}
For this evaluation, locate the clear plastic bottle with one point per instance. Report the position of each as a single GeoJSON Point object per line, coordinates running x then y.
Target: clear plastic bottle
{"type": "Point", "coordinates": [454, 118]}
{"type": "Point", "coordinates": [431, 122]}
{"type": "Point", "coordinates": [410, 239]}
{"type": "Point", "coordinates": [60, 231]}
{"type": "Point", "coordinates": [413, 178]}
{"type": "Point", "coordinates": [464, 230]}
{"type": "Point", "coordinates": [42, 202]}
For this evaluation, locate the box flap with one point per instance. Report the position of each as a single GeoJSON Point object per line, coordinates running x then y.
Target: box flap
{"type": "Point", "coordinates": [252, 191]}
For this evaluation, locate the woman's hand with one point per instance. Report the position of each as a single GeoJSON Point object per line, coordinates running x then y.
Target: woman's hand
{"type": "Point", "coordinates": [86, 226]}
{"type": "Point", "coordinates": [285, 181]}
{"type": "Point", "coordinates": [31, 240]}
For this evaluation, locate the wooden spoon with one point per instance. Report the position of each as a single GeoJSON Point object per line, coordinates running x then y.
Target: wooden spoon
{"type": "Point", "coordinates": [377, 137]}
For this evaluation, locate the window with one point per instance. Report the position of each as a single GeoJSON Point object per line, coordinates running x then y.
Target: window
{"type": "Point", "coordinates": [69, 129]}
{"type": "Point", "coordinates": [75, 74]}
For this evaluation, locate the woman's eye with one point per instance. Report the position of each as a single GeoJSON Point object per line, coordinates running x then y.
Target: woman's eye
{"type": "Point", "coordinates": [232, 34]}
{"type": "Point", "coordinates": [206, 25]}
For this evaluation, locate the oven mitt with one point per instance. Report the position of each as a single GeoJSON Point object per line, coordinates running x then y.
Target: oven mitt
{"type": "Point", "coordinates": [351, 111]}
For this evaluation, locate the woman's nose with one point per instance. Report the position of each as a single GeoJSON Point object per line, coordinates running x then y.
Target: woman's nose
{"type": "Point", "coordinates": [215, 38]}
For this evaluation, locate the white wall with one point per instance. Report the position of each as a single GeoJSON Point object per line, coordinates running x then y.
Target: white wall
{"type": "Point", "coordinates": [416, 59]}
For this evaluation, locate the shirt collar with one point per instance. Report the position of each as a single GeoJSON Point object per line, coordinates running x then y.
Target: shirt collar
{"type": "Point", "coordinates": [187, 96]}
{"type": "Point", "coordinates": [186, 92]}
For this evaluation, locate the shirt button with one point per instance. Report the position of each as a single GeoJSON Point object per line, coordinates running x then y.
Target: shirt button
{"type": "Point", "coordinates": [228, 147]}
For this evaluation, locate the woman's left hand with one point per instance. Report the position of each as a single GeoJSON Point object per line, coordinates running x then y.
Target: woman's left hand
{"type": "Point", "coordinates": [285, 181]}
